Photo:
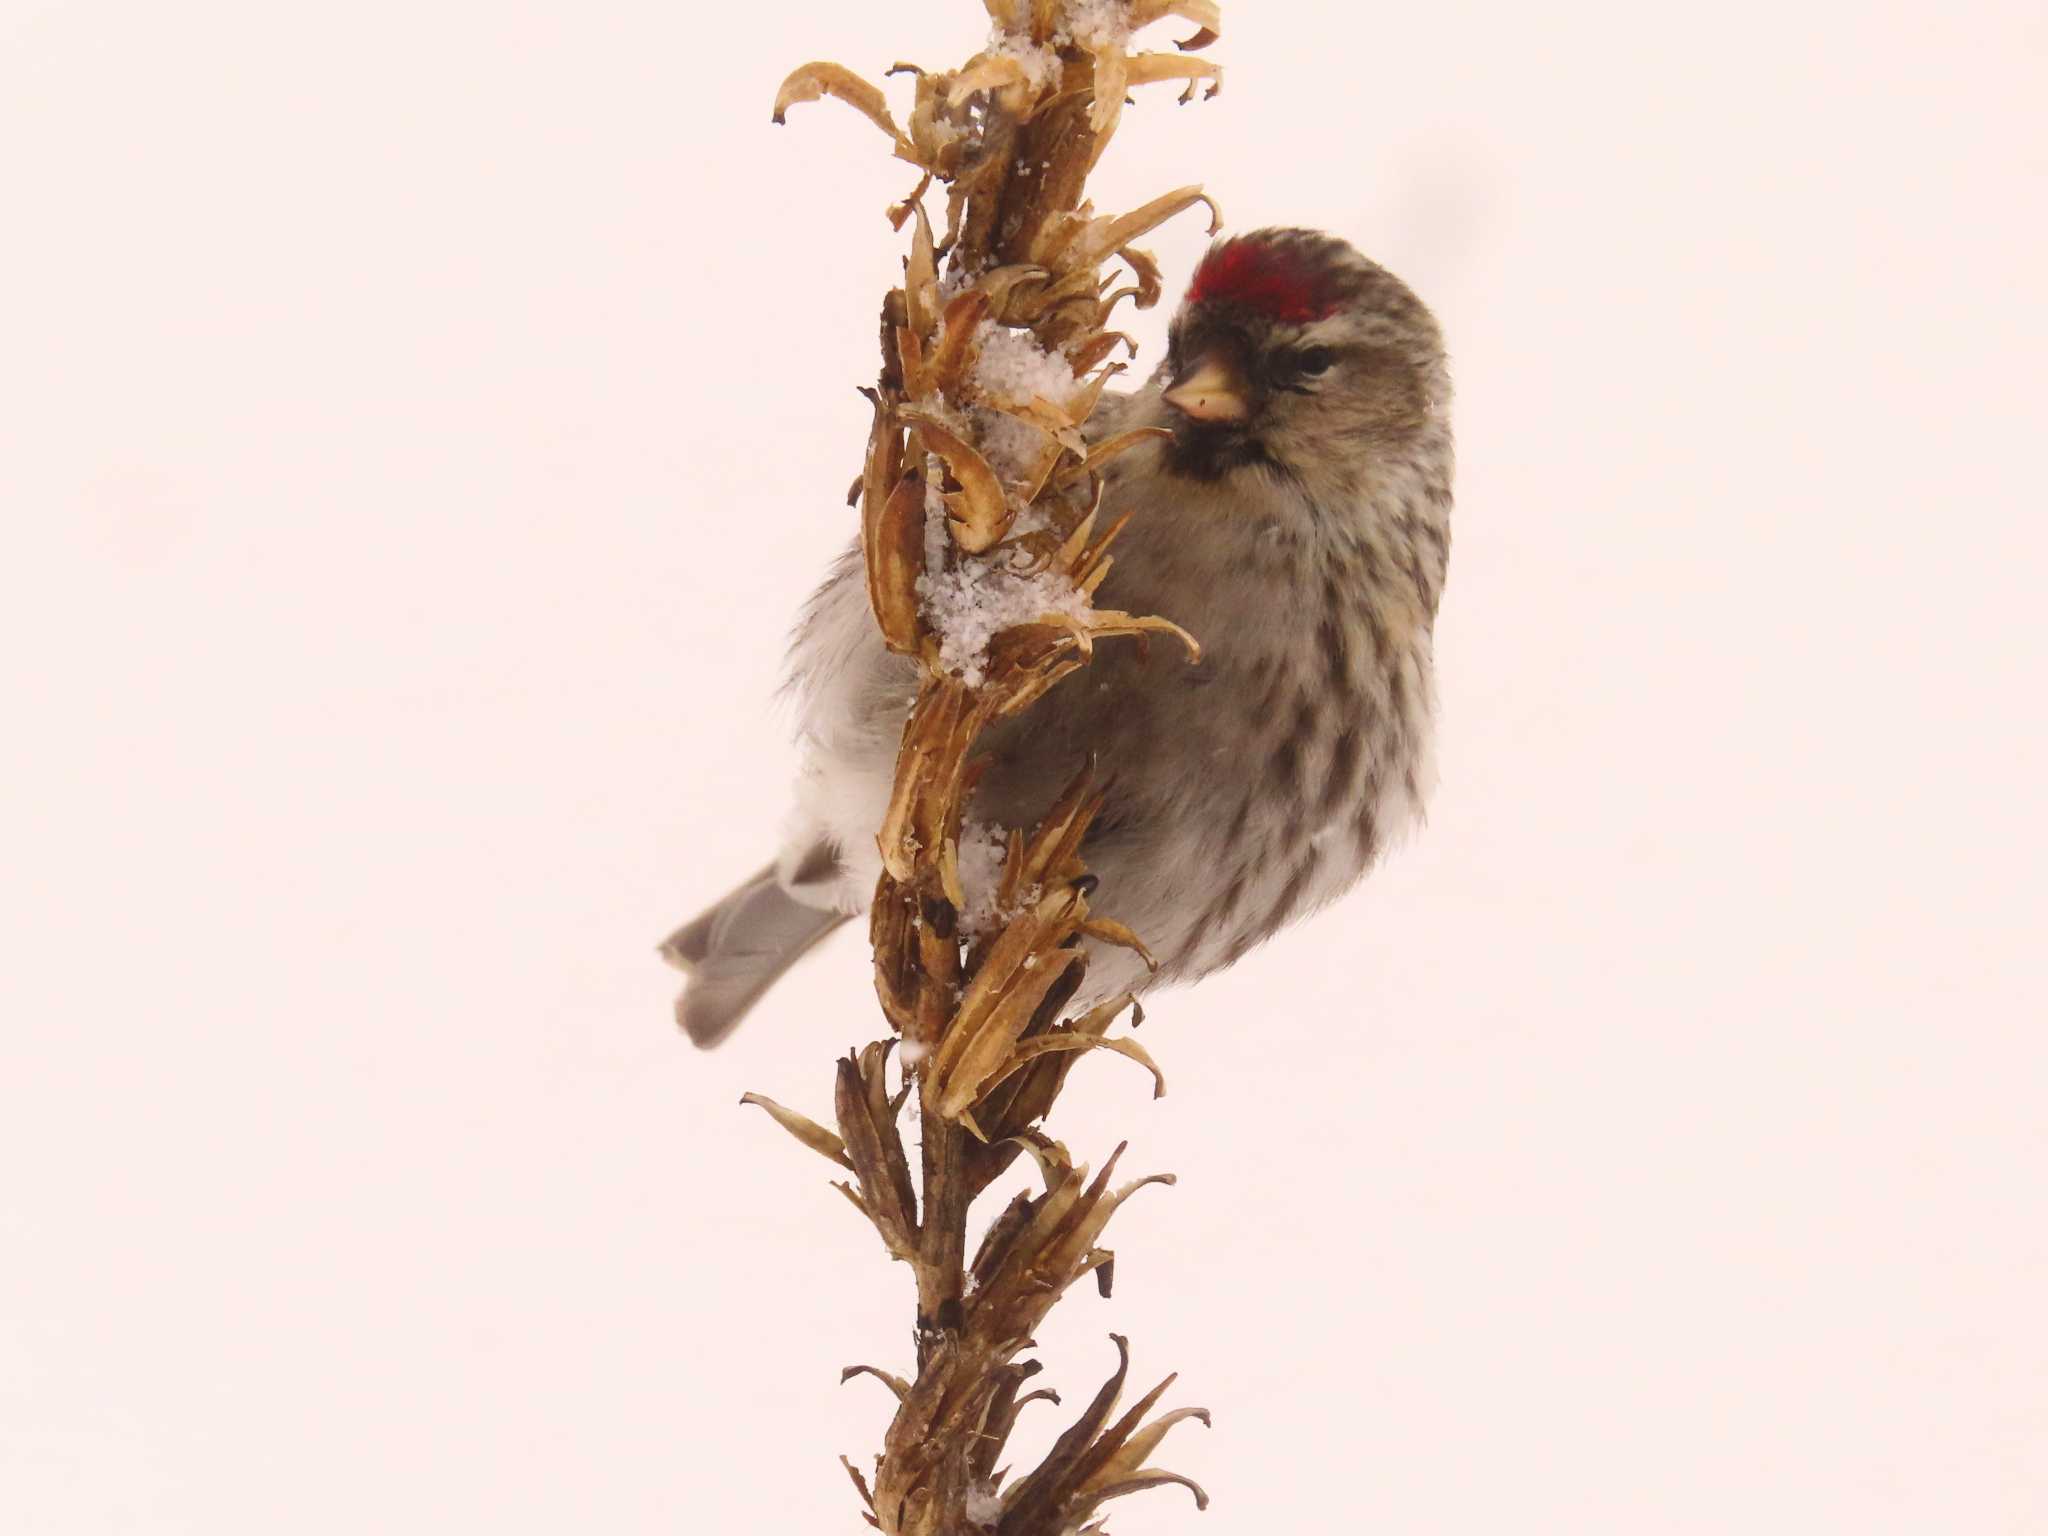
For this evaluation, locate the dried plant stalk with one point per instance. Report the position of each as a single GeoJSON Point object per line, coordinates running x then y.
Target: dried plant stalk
{"type": "Point", "coordinates": [996, 348]}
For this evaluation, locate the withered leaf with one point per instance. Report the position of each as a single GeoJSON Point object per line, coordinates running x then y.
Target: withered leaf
{"type": "Point", "coordinates": [810, 82]}
{"type": "Point", "coordinates": [1207, 14]}
{"type": "Point", "coordinates": [1149, 67]}
{"type": "Point", "coordinates": [804, 1129]}
{"type": "Point", "coordinates": [1144, 1480]}
{"type": "Point", "coordinates": [1105, 235]}
{"type": "Point", "coordinates": [895, 559]}
{"type": "Point", "coordinates": [1028, 1051]}
{"type": "Point", "coordinates": [895, 1384]}
{"type": "Point", "coordinates": [979, 511]}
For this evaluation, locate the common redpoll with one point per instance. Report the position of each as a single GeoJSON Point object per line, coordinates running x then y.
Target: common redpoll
{"type": "Point", "coordinates": [1298, 522]}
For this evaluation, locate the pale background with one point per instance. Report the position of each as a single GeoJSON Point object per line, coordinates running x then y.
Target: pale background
{"type": "Point", "coordinates": [417, 422]}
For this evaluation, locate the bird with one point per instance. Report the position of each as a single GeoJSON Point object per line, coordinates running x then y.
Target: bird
{"type": "Point", "coordinates": [1295, 517]}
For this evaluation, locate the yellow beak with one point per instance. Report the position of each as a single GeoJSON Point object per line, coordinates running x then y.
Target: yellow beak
{"type": "Point", "coordinates": [1209, 389]}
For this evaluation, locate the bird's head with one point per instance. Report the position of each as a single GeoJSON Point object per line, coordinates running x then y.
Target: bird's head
{"type": "Point", "coordinates": [1294, 355]}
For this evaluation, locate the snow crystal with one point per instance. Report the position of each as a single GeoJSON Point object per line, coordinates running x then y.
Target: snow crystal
{"type": "Point", "coordinates": [982, 853]}
{"type": "Point", "coordinates": [935, 538]}
{"type": "Point", "coordinates": [979, 598]}
{"type": "Point", "coordinates": [1031, 519]}
{"type": "Point", "coordinates": [955, 280]}
{"type": "Point", "coordinates": [1098, 23]}
{"type": "Point", "coordinates": [1014, 367]}
{"type": "Point", "coordinates": [984, 1505]}
{"type": "Point", "coordinates": [1041, 62]}
{"type": "Point", "coordinates": [1012, 447]}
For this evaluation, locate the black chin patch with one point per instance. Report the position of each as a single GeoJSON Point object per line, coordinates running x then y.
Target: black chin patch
{"type": "Point", "coordinates": [1208, 451]}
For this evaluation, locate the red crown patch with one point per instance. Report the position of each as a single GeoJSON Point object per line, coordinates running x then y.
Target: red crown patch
{"type": "Point", "coordinates": [1274, 280]}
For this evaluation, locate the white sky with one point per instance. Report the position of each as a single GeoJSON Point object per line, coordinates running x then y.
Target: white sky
{"type": "Point", "coordinates": [417, 422]}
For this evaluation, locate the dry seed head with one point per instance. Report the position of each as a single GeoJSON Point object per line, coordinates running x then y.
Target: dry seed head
{"type": "Point", "coordinates": [979, 497]}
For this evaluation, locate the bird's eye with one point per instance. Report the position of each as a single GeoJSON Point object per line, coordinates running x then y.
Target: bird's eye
{"type": "Point", "coordinates": [1316, 360]}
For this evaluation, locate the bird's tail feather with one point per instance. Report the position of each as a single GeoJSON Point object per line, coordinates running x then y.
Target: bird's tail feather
{"type": "Point", "coordinates": [734, 952]}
